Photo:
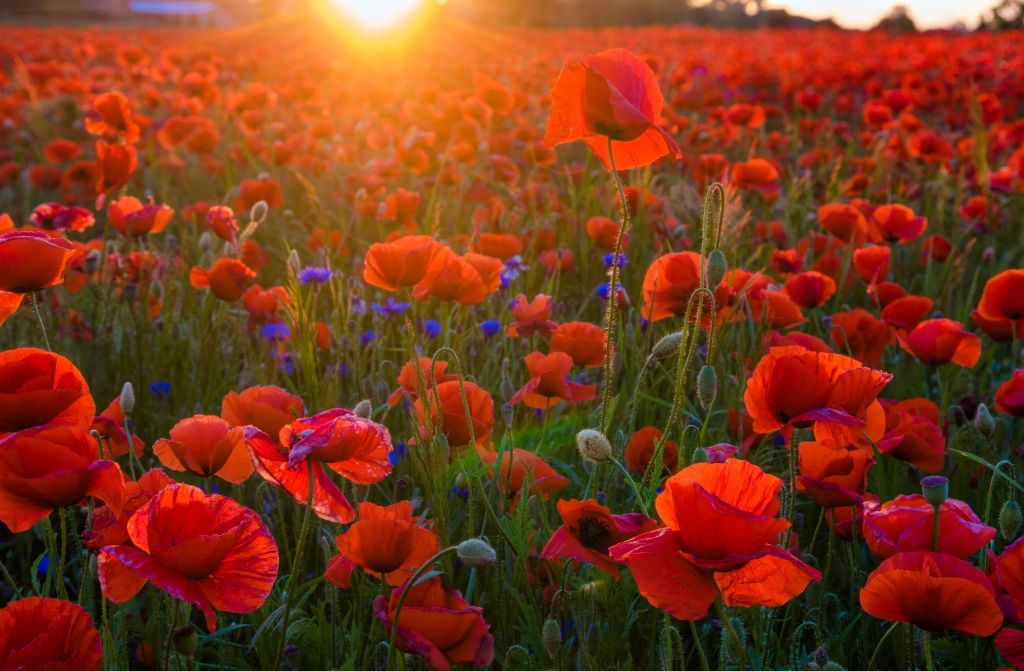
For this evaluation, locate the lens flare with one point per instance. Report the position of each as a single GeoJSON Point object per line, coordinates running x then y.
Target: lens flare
{"type": "Point", "coordinates": [377, 14]}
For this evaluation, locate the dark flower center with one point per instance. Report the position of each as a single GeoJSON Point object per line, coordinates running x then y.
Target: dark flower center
{"type": "Point", "coordinates": [593, 533]}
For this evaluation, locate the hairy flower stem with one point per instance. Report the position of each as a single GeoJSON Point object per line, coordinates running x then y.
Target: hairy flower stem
{"type": "Point", "coordinates": [289, 599]}
{"type": "Point", "coordinates": [42, 325]}
{"type": "Point", "coordinates": [613, 281]}
{"type": "Point", "coordinates": [700, 649]}
{"type": "Point", "coordinates": [727, 623]}
{"type": "Point", "coordinates": [927, 636]}
{"type": "Point", "coordinates": [424, 567]}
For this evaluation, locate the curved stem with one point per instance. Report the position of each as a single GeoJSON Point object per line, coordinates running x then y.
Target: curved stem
{"type": "Point", "coordinates": [613, 280]}
{"type": "Point", "coordinates": [424, 567]}
{"type": "Point", "coordinates": [42, 325]}
{"type": "Point", "coordinates": [700, 649]}
{"type": "Point", "coordinates": [878, 648]}
{"type": "Point", "coordinates": [289, 599]}
{"type": "Point", "coordinates": [632, 485]}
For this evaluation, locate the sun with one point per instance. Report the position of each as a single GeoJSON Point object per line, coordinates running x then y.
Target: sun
{"type": "Point", "coordinates": [377, 14]}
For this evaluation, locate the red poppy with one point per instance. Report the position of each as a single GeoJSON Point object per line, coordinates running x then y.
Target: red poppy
{"type": "Point", "coordinates": [52, 466]}
{"type": "Point", "coordinates": [912, 434]}
{"type": "Point", "coordinates": [115, 165]}
{"type": "Point", "coordinates": [227, 278]}
{"type": "Point", "coordinates": [48, 635]}
{"type": "Point", "coordinates": [862, 335]}
{"type": "Point", "coordinates": [438, 624]}
{"type": "Point", "coordinates": [603, 232]}
{"type": "Point", "coordinates": [583, 341]}
{"type": "Point", "coordinates": [1000, 312]}
{"type": "Point", "coordinates": [720, 524]}
{"type": "Point", "coordinates": [669, 282]}
{"type": "Point", "coordinates": [1010, 644]}
{"type": "Point", "coordinates": [612, 95]}
{"type": "Point", "coordinates": [110, 425]}
{"type": "Point", "coordinates": [252, 191]}
{"type": "Point", "coordinates": [9, 304]}
{"type": "Point", "coordinates": [934, 591]}
{"type": "Point", "coordinates": [757, 174]}
{"type": "Point", "coordinates": [589, 529]}
{"type": "Point", "coordinates": [549, 383]}
{"type": "Point", "coordinates": [110, 115]}
{"type": "Point", "coordinates": [1010, 395]}
{"type": "Point", "coordinates": [844, 221]}
{"type": "Point", "coordinates": [466, 280]}
{"type": "Point", "coordinates": [61, 150]}
{"type": "Point", "coordinates": [409, 379]}
{"type": "Point", "coordinates": [354, 447]}
{"type": "Point", "coordinates": [796, 339]}
{"type": "Point", "coordinates": [131, 218]}
{"type": "Point", "coordinates": [206, 550]}
{"type": "Point", "coordinates": [267, 408]}
{"type": "Point", "coordinates": [111, 528]}
{"type": "Point", "coordinates": [898, 223]}
{"type": "Point", "coordinates": [834, 476]}
{"type": "Point", "coordinates": [1009, 577]}
{"type": "Point", "coordinates": [794, 387]}
{"type": "Point", "coordinates": [531, 317]}
{"type": "Point", "coordinates": [404, 262]}
{"type": "Point", "coordinates": [32, 260]}
{"type": "Point", "coordinates": [521, 473]}
{"type": "Point", "coordinates": [387, 542]}
{"type": "Point", "coordinates": [206, 445]}
{"type": "Point", "coordinates": [906, 312]}
{"type": "Point", "coordinates": [905, 524]}
{"type": "Point", "coordinates": [38, 388]}
{"type": "Point", "coordinates": [641, 447]}
{"type": "Point", "coordinates": [56, 217]}
{"type": "Point", "coordinates": [940, 341]}
{"type": "Point", "coordinates": [453, 422]}
{"type": "Point", "coordinates": [502, 246]}
{"type": "Point", "coordinates": [810, 289]}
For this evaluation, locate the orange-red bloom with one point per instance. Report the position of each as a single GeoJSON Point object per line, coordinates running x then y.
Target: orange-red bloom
{"type": "Point", "coordinates": [898, 223]}
{"type": "Point", "coordinates": [1010, 395]}
{"type": "Point", "coordinates": [862, 335]}
{"type": "Point", "coordinates": [207, 550]}
{"type": "Point", "coordinates": [267, 408]}
{"type": "Point", "coordinates": [1000, 312]}
{"type": "Point", "coordinates": [844, 221]}
{"type": "Point", "coordinates": [115, 165]}
{"type": "Point", "coordinates": [583, 341]}
{"type": "Point", "coordinates": [354, 447]}
{"type": "Point", "coordinates": [934, 591]}
{"type": "Point", "coordinates": [110, 425]}
{"type": "Point", "coordinates": [227, 278]}
{"type": "Point", "coordinates": [549, 383]}
{"type": "Point", "coordinates": [531, 317]}
{"type": "Point", "coordinates": [669, 282]}
{"type": "Point", "coordinates": [757, 174]}
{"type": "Point", "coordinates": [452, 421]}
{"type": "Point", "coordinates": [720, 525]}
{"type": "Point", "coordinates": [38, 387]}
{"type": "Point", "coordinates": [834, 476]}
{"type": "Point", "coordinates": [810, 289]}
{"type": "Point", "coordinates": [206, 445]}
{"type": "Point", "coordinates": [611, 96]}
{"type": "Point", "coordinates": [589, 529]}
{"type": "Point", "coordinates": [409, 378]}
{"type": "Point", "coordinates": [521, 473]}
{"type": "Point", "coordinates": [133, 219]}
{"type": "Point", "coordinates": [641, 447]}
{"type": "Point", "coordinates": [388, 542]}
{"type": "Point", "coordinates": [110, 115]}
{"type": "Point", "coordinates": [252, 191]}
{"type": "Point", "coordinates": [48, 635]}
{"type": "Point", "coordinates": [912, 434]}
{"type": "Point", "coordinates": [466, 280]}
{"type": "Point", "coordinates": [404, 262]}
{"type": "Point", "coordinates": [905, 524]}
{"type": "Point", "coordinates": [32, 260]}
{"type": "Point", "coordinates": [939, 341]}
{"type": "Point", "coordinates": [111, 528]}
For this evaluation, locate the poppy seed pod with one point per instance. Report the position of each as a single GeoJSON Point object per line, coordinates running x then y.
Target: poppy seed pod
{"type": "Point", "coordinates": [476, 552]}
{"type": "Point", "coordinates": [363, 409]}
{"type": "Point", "coordinates": [508, 413]}
{"type": "Point", "coordinates": [551, 637]}
{"type": "Point", "coordinates": [700, 456]}
{"type": "Point", "coordinates": [594, 446]}
{"type": "Point", "coordinates": [186, 641]}
{"type": "Point", "coordinates": [984, 422]}
{"type": "Point", "coordinates": [717, 266]}
{"type": "Point", "coordinates": [667, 346]}
{"type": "Point", "coordinates": [707, 386]}
{"type": "Point", "coordinates": [127, 399]}
{"type": "Point", "coordinates": [935, 489]}
{"type": "Point", "coordinates": [1009, 520]}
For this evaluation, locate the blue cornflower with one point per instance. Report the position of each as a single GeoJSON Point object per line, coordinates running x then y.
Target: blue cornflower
{"type": "Point", "coordinates": [314, 275]}
{"type": "Point", "coordinates": [390, 307]}
{"type": "Point", "coordinates": [609, 258]}
{"type": "Point", "coordinates": [160, 388]}
{"type": "Point", "coordinates": [490, 327]}
{"type": "Point", "coordinates": [368, 337]}
{"type": "Point", "coordinates": [432, 328]}
{"type": "Point", "coordinates": [276, 332]}
{"type": "Point", "coordinates": [358, 305]}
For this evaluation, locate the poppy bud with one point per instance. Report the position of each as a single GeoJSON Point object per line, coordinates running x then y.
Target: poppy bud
{"type": "Point", "coordinates": [717, 267]}
{"type": "Point", "coordinates": [259, 211]}
{"type": "Point", "coordinates": [460, 480]}
{"type": "Point", "coordinates": [1009, 521]}
{"type": "Point", "coordinates": [821, 656]}
{"type": "Point", "coordinates": [205, 242]}
{"type": "Point", "coordinates": [363, 409]}
{"type": "Point", "coordinates": [476, 552]}
{"type": "Point", "coordinates": [667, 346]}
{"type": "Point", "coordinates": [935, 489]}
{"type": "Point", "coordinates": [700, 456]}
{"type": "Point", "coordinates": [707, 386]}
{"type": "Point", "coordinates": [186, 641]}
{"type": "Point", "coordinates": [983, 421]}
{"type": "Point", "coordinates": [508, 390]}
{"type": "Point", "coordinates": [508, 413]}
{"type": "Point", "coordinates": [593, 446]}
{"type": "Point", "coordinates": [293, 261]}
{"type": "Point", "coordinates": [127, 398]}
{"type": "Point", "coordinates": [551, 637]}
{"type": "Point", "coordinates": [92, 260]}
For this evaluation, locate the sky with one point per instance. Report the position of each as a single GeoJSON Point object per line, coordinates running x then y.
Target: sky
{"type": "Point", "coordinates": [865, 13]}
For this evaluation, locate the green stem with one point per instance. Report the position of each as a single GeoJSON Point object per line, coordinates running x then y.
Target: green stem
{"type": "Point", "coordinates": [424, 567]}
{"type": "Point", "coordinates": [727, 623]}
{"type": "Point", "coordinates": [10, 580]}
{"type": "Point", "coordinates": [632, 485]}
{"type": "Point", "coordinates": [700, 649]}
{"type": "Point", "coordinates": [289, 600]}
{"type": "Point", "coordinates": [878, 648]}
{"type": "Point", "coordinates": [42, 325]}
{"type": "Point", "coordinates": [927, 636]}
{"type": "Point", "coordinates": [935, 529]}
{"type": "Point", "coordinates": [613, 280]}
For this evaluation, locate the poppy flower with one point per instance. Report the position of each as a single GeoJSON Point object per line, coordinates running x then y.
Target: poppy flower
{"type": "Point", "coordinates": [905, 524]}
{"type": "Point", "coordinates": [467, 280]}
{"type": "Point", "coordinates": [52, 466]}
{"type": "Point", "coordinates": [9, 304]}
{"type": "Point", "coordinates": [862, 335]}
{"type": "Point", "coordinates": [934, 591]}
{"type": "Point", "coordinates": [110, 115]}
{"type": "Point", "coordinates": [38, 387]}
{"type": "Point", "coordinates": [453, 422]}
{"type": "Point", "coordinates": [221, 220]}
{"type": "Point", "coordinates": [1000, 312]}
{"type": "Point", "coordinates": [1009, 576]}
{"type": "Point", "coordinates": [810, 289]}
{"type": "Point", "coordinates": [757, 174]}
{"type": "Point", "coordinates": [668, 284]}
{"type": "Point", "coordinates": [388, 542]}
{"type": "Point", "coordinates": [793, 387]}
{"type": "Point", "coordinates": [109, 424]}
{"type": "Point", "coordinates": [227, 278]}
{"type": "Point", "coordinates": [912, 434]}
{"type": "Point", "coordinates": [133, 219]}
{"type": "Point", "coordinates": [531, 316]}
{"type": "Point", "coordinates": [409, 378]}
{"type": "Point", "coordinates": [206, 445]}
{"type": "Point", "coordinates": [844, 221]}
{"type": "Point", "coordinates": [589, 529]}
{"type": "Point", "coordinates": [111, 528]}
{"type": "Point", "coordinates": [940, 341]}
{"type": "Point", "coordinates": [906, 312]}
{"type": "Point", "coordinates": [115, 165]}
{"type": "Point", "coordinates": [206, 550]}
{"type": "Point", "coordinates": [610, 96]}
{"type": "Point", "coordinates": [354, 447]}
{"type": "Point", "coordinates": [252, 191]}
{"type": "Point", "coordinates": [898, 223]}
{"type": "Point", "coordinates": [520, 473]}
{"type": "Point", "coordinates": [641, 447]}
{"type": "Point", "coordinates": [872, 263]}
{"type": "Point", "coordinates": [502, 246]}
{"type": "Point", "coordinates": [404, 262]}
{"type": "Point", "coordinates": [603, 232]}
{"type": "Point", "coordinates": [720, 524]}
{"type": "Point", "coordinates": [549, 382]}
{"type": "Point", "coordinates": [56, 217]}
{"type": "Point", "coordinates": [48, 635]}
{"type": "Point", "coordinates": [32, 260]}
{"type": "Point", "coordinates": [268, 408]}
{"type": "Point", "coordinates": [438, 624]}
{"type": "Point", "coordinates": [1010, 395]}
{"type": "Point", "coordinates": [834, 476]}
{"type": "Point", "coordinates": [1010, 644]}
{"type": "Point", "coordinates": [583, 341]}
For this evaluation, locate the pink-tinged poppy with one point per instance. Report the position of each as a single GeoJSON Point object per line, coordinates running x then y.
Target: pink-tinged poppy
{"type": "Point", "coordinates": [437, 624]}
{"type": "Point", "coordinates": [1009, 578]}
{"type": "Point", "coordinates": [354, 447]}
{"type": "Point", "coordinates": [32, 260]}
{"type": "Point", "coordinates": [834, 476]}
{"type": "Point", "coordinates": [531, 317]}
{"type": "Point", "coordinates": [549, 383]}
{"type": "Point", "coordinates": [1010, 644]}
{"type": "Point", "coordinates": [52, 466]}
{"type": "Point", "coordinates": [111, 528]}
{"type": "Point", "coordinates": [941, 341]}
{"type": "Point", "coordinates": [905, 524]}
{"type": "Point", "coordinates": [56, 217]}
{"type": "Point", "coordinates": [39, 387]}
{"type": "Point", "coordinates": [1010, 395]}
{"type": "Point", "coordinates": [720, 528]}
{"type": "Point", "coordinates": [206, 445]}
{"type": "Point", "coordinates": [110, 425]}
{"type": "Point", "coordinates": [589, 529]}
{"type": "Point", "coordinates": [131, 218]}
{"type": "Point", "coordinates": [43, 634]}
{"type": "Point", "coordinates": [206, 550]}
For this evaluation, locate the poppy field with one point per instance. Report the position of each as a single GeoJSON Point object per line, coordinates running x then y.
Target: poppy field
{"type": "Point", "coordinates": [636, 348]}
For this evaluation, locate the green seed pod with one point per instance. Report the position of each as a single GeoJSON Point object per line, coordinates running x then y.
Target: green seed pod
{"type": "Point", "coordinates": [1009, 521]}
{"type": "Point", "coordinates": [667, 346]}
{"type": "Point", "coordinates": [717, 267]}
{"type": "Point", "coordinates": [935, 489]}
{"type": "Point", "coordinates": [593, 446]}
{"type": "Point", "coordinates": [707, 386]}
{"type": "Point", "coordinates": [476, 552]}
{"type": "Point", "coordinates": [551, 637]}
{"type": "Point", "coordinates": [983, 421]}
{"type": "Point", "coordinates": [186, 641]}
{"type": "Point", "coordinates": [127, 399]}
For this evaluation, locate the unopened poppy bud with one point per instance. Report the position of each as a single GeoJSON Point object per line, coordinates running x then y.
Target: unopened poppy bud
{"type": "Point", "coordinates": [363, 409]}
{"type": "Point", "coordinates": [935, 489]}
{"type": "Point", "coordinates": [259, 211]}
{"type": "Point", "coordinates": [508, 390]}
{"type": "Point", "coordinates": [707, 386]}
{"type": "Point", "coordinates": [186, 641]}
{"type": "Point", "coordinates": [460, 480]}
{"type": "Point", "coordinates": [593, 446]}
{"type": "Point", "coordinates": [293, 261]}
{"type": "Point", "coordinates": [476, 552]}
{"type": "Point", "coordinates": [508, 413]}
{"type": "Point", "coordinates": [667, 346]}
{"type": "Point", "coordinates": [92, 260]}
{"type": "Point", "coordinates": [700, 456]}
{"type": "Point", "coordinates": [127, 398]}
{"type": "Point", "coordinates": [983, 421]}
{"type": "Point", "coordinates": [1009, 521]}
{"type": "Point", "coordinates": [551, 637]}
{"type": "Point", "coordinates": [205, 242]}
{"type": "Point", "coordinates": [717, 267]}
{"type": "Point", "coordinates": [821, 656]}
